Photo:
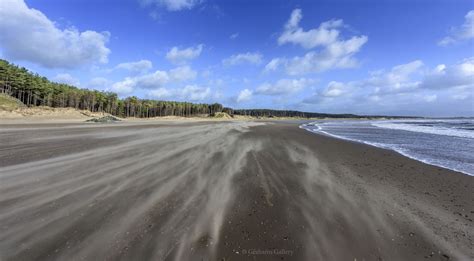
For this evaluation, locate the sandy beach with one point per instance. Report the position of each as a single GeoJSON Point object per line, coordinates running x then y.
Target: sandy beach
{"type": "Point", "coordinates": [222, 191]}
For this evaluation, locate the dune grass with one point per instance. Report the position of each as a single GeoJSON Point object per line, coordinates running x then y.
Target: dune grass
{"type": "Point", "coordinates": [9, 103]}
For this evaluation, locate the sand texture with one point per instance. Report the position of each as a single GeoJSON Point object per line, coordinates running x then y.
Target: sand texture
{"type": "Point", "coordinates": [222, 191]}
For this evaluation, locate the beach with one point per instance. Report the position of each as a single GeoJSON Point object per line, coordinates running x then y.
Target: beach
{"type": "Point", "coordinates": [222, 190]}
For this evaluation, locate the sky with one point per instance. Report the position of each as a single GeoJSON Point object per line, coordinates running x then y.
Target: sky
{"type": "Point", "coordinates": [396, 57]}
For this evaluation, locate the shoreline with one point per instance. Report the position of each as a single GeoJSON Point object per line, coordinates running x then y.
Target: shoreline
{"type": "Point", "coordinates": [223, 190]}
{"type": "Point", "coordinates": [404, 154]}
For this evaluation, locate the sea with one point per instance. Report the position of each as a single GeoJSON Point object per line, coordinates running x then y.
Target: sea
{"type": "Point", "coordinates": [447, 143]}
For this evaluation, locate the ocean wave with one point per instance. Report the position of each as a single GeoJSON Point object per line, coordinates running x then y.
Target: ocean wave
{"type": "Point", "coordinates": [317, 127]}
{"type": "Point", "coordinates": [421, 127]}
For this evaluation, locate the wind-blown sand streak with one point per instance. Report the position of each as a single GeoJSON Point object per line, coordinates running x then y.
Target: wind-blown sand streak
{"type": "Point", "coordinates": [212, 191]}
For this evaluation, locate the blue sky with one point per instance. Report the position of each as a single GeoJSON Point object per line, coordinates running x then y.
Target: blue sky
{"type": "Point", "coordinates": [340, 56]}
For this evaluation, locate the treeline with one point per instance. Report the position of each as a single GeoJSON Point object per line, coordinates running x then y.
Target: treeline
{"type": "Point", "coordinates": [285, 113]}
{"type": "Point", "coordinates": [35, 90]}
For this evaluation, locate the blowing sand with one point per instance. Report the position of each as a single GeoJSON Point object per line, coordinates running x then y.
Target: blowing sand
{"type": "Point", "coordinates": [222, 191]}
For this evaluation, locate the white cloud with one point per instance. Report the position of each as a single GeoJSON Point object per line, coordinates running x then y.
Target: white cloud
{"type": "Point", "coordinates": [335, 52]}
{"type": "Point", "coordinates": [172, 5]}
{"type": "Point", "coordinates": [181, 56]}
{"type": "Point", "coordinates": [27, 34]}
{"type": "Point", "coordinates": [283, 87]}
{"type": "Point", "coordinates": [399, 79]}
{"type": "Point", "coordinates": [138, 67]}
{"type": "Point", "coordinates": [461, 33]}
{"type": "Point", "coordinates": [244, 95]}
{"type": "Point", "coordinates": [188, 93]}
{"type": "Point", "coordinates": [335, 89]}
{"type": "Point", "coordinates": [66, 79]}
{"type": "Point", "coordinates": [412, 77]}
{"type": "Point", "coordinates": [457, 75]}
{"type": "Point", "coordinates": [160, 93]}
{"type": "Point", "coordinates": [407, 87]}
{"type": "Point", "coordinates": [154, 80]}
{"type": "Point", "coordinates": [338, 55]}
{"type": "Point", "coordinates": [234, 36]}
{"type": "Point", "coordinates": [244, 58]}
{"type": "Point", "coordinates": [183, 73]}
{"type": "Point", "coordinates": [124, 87]}
{"type": "Point", "coordinates": [273, 65]}
{"type": "Point", "coordinates": [195, 93]}
{"type": "Point", "coordinates": [446, 41]}
{"type": "Point", "coordinates": [324, 35]}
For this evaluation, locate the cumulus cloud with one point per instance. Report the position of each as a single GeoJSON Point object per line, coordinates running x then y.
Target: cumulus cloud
{"type": "Point", "coordinates": [461, 33]}
{"type": "Point", "coordinates": [398, 79]}
{"type": "Point", "coordinates": [333, 52]}
{"type": "Point", "coordinates": [66, 79]}
{"type": "Point", "coordinates": [283, 87]}
{"type": "Point", "coordinates": [335, 89]}
{"type": "Point", "coordinates": [27, 34]}
{"type": "Point", "coordinates": [413, 76]}
{"type": "Point", "coordinates": [409, 83]}
{"type": "Point", "coordinates": [244, 58]}
{"type": "Point", "coordinates": [338, 55]}
{"type": "Point", "coordinates": [244, 95]}
{"type": "Point", "coordinates": [326, 34]}
{"type": "Point", "coordinates": [172, 5]}
{"type": "Point", "coordinates": [457, 75]}
{"type": "Point", "coordinates": [181, 56]}
{"type": "Point", "coordinates": [188, 93]}
{"type": "Point", "coordinates": [125, 87]}
{"type": "Point", "coordinates": [183, 73]}
{"type": "Point", "coordinates": [137, 67]}
{"type": "Point", "coordinates": [154, 80]}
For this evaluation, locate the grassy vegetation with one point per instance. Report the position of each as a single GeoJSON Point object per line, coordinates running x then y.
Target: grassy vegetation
{"type": "Point", "coordinates": [222, 115]}
{"type": "Point", "coordinates": [8, 103]}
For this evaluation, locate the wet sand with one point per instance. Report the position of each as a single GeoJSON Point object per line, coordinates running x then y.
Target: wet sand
{"type": "Point", "coordinates": [222, 191]}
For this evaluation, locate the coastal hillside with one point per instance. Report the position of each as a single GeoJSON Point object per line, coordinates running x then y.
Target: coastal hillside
{"type": "Point", "coordinates": [12, 108]}
{"type": "Point", "coordinates": [9, 103]}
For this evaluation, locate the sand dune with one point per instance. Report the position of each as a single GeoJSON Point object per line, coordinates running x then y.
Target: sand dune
{"type": "Point", "coordinates": [220, 191]}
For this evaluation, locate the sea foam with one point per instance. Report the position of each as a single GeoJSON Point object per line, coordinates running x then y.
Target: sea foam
{"type": "Point", "coordinates": [444, 143]}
